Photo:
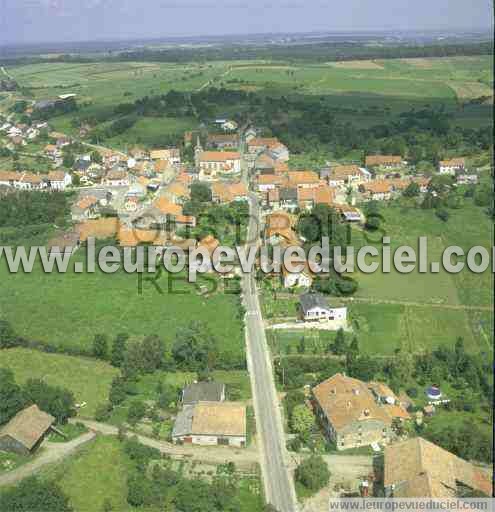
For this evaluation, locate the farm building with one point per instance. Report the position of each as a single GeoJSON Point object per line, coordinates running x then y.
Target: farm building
{"type": "Point", "coordinates": [203, 392]}
{"type": "Point", "coordinates": [417, 468]}
{"type": "Point", "coordinates": [211, 423]}
{"type": "Point", "coordinates": [314, 307]}
{"type": "Point", "coordinates": [356, 413]}
{"type": "Point", "coordinates": [24, 433]}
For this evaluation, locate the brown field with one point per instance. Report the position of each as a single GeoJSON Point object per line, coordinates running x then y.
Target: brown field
{"type": "Point", "coordinates": [356, 64]}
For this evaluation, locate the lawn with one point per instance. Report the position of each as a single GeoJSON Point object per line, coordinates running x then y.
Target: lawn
{"type": "Point", "coordinates": [88, 379]}
{"type": "Point", "coordinates": [69, 309]}
{"type": "Point", "coordinates": [97, 473]}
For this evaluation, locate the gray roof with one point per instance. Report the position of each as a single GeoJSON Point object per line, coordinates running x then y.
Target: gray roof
{"type": "Point", "coordinates": [313, 300]}
{"type": "Point", "coordinates": [183, 422]}
{"type": "Point", "coordinates": [203, 392]}
{"type": "Point", "coordinates": [288, 194]}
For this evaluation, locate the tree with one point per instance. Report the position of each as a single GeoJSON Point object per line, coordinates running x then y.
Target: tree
{"type": "Point", "coordinates": [195, 347]}
{"type": "Point", "coordinates": [313, 473]}
{"type": "Point", "coordinates": [102, 412]}
{"type": "Point", "coordinates": [412, 190]}
{"type": "Point", "coordinates": [12, 399]}
{"type": "Point", "coordinates": [302, 420]}
{"type": "Point", "coordinates": [68, 161]}
{"type": "Point", "coordinates": [55, 400]}
{"type": "Point", "coordinates": [7, 335]}
{"type": "Point", "coordinates": [118, 349]}
{"type": "Point", "coordinates": [34, 494]}
{"type": "Point", "coordinates": [153, 353]}
{"type": "Point", "coordinates": [96, 158]}
{"type": "Point", "coordinates": [136, 412]}
{"type": "Point", "coordinates": [100, 346]}
{"type": "Point", "coordinates": [339, 346]}
{"type": "Point", "coordinates": [200, 192]}
{"type": "Point", "coordinates": [117, 393]}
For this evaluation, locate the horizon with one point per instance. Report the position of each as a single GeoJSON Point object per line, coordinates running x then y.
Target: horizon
{"type": "Point", "coordinates": [36, 21]}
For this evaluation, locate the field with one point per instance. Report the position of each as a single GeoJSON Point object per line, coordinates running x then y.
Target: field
{"type": "Point", "coordinates": [95, 474]}
{"type": "Point", "coordinates": [69, 309]}
{"type": "Point", "coordinates": [372, 90]}
{"type": "Point", "coordinates": [88, 379]}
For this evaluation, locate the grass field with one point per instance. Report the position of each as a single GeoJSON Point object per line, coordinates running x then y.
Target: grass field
{"type": "Point", "coordinates": [69, 309]}
{"type": "Point", "coordinates": [88, 379]}
{"type": "Point", "coordinates": [95, 474]}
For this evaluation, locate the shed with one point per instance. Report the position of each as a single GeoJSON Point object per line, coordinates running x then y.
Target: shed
{"type": "Point", "coordinates": [26, 430]}
{"type": "Point", "coordinates": [203, 392]}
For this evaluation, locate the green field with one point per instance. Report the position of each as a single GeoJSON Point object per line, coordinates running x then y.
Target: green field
{"type": "Point", "coordinates": [98, 472]}
{"type": "Point", "coordinates": [88, 379]}
{"type": "Point", "coordinates": [69, 309]}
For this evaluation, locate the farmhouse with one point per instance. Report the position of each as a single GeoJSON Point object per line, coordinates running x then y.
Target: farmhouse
{"type": "Point", "coordinates": [24, 433]}
{"type": "Point", "coordinates": [417, 468]}
{"type": "Point", "coordinates": [307, 198]}
{"type": "Point", "coordinates": [386, 161]}
{"type": "Point", "coordinates": [211, 423]}
{"type": "Point", "coordinates": [451, 166]}
{"type": "Point", "coordinates": [314, 308]}
{"type": "Point", "coordinates": [211, 163]}
{"type": "Point", "coordinates": [355, 413]}
{"type": "Point", "coordinates": [203, 392]}
{"type": "Point", "coordinates": [378, 190]}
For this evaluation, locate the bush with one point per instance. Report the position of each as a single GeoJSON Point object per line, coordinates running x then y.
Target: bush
{"type": "Point", "coordinates": [313, 473]}
{"type": "Point", "coordinates": [103, 411]}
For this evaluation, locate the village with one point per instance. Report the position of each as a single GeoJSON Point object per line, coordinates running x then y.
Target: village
{"type": "Point", "coordinates": [143, 197]}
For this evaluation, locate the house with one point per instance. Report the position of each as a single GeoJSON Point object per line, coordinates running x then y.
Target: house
{"type": "Point", "coordinates": [228, 192]}
{"type": "Point", "coordinates": [385, 161]}
{"type": "Point", "coordinates": [272, 199]}
{"type": "Point", "coordinates": [211, 423]}
{"type": "Point", "coordinates": [288, 198]}
{"type": "Point", "coordinates": [203, 392]}
{"type": "Point", "coordinates": [59, 180]}
{"type": "Point", "coordinates": [250, 134]}
{"type": "Point", "coordinates": [9, 178]}
{"type": "Point", "coordinates": [451, 166]}
{"type": "Point", "coordinates": [349, 213]}
{"type": "Point", "coordinates": [25, 432]}
{"type": "Point", "coordinates": [378, 190]}
{"type": "Point", "coordinates": [265, 163]}
{"type": "Point", "coordinates": [171, 155]}
{"type": "Point", "coordinates": [259, 144]}
{"type": "Point", "coordinates": [308, 198]}
{"type": "Point", "coordinates": [85, 208]}
{"type": "Point", "coordinates": [29, 181]}
{"type": "Point", "coordinates": [266, 182]}
{"type": "Point", "coordinates": [315, 308]}
{"type": "Point", "coordinates": [417, 468]}
{"type": "Point", "coordinates": [278, 227]}
{"type": "Point", "coordinates": [212, 163]}
{"type": "Point", "coordinates": [229, 125]}
{"type": "Point", "coordinates": [116, 178]}
{"type": "Point", "coordinates": [52, 151]}
{"type": "Point", "coordinates": [133, 237]}
{"type": "Point", "coordinates": [303, 179]}
{"type": "Point", "coordinates": [177, 192]}
{"type": "Point", "coordinates": [354, 413]}
{"type": "Point", "coordinates": [467, 179]}
{"type": "Point", "coordinates": [223, 141]}
{"type": "Point", "coordinates": [346, 175]}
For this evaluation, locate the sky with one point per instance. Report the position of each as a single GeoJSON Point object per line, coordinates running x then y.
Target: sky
{"type": "Point", "coordinates": [28, 21]}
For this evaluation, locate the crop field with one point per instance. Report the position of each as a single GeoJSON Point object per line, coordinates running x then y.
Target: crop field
{"type": "Point", "coordinates": [88, 379]}
{"type": "Point", "coordinates": [69, 309]}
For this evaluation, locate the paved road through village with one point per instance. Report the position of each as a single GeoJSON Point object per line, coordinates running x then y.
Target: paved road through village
{"type": "Point", "coordinates": [278, 482]}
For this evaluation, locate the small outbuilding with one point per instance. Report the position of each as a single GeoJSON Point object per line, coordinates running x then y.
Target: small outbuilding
{"type": "Point", "coordinates": [24, 433]}
{"type": "Point", "coordinates": [203, 392]}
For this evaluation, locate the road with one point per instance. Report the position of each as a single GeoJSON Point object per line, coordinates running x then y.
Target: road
{"type": "Point", "coordinates": [52, 452]}
{"type": "Point", "coordinates": [278, 483]}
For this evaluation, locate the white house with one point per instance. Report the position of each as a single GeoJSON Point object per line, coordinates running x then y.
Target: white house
{"type": "Point", "coordinates": [301, 279]}
{"type": "Point", "coordinates": [315, 308]}
{"type": "Point", "coordinates": [59, 180]}
{"type": "Point", "coordinates": [212, 163]}
{"type": "Point", "coordinates": [451, 166]}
